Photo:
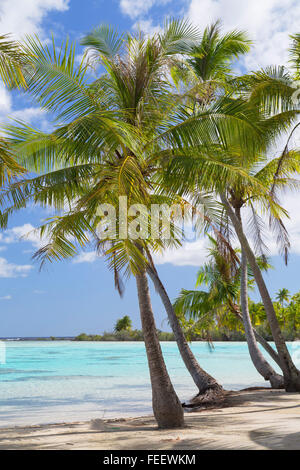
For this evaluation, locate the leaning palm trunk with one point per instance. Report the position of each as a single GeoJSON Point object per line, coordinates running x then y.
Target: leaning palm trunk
{"type": "Point", "coordinates": [290, 373]}
{"type": "Point", "coordinates": [167, 408]}
{"type": "Point", "coordinates": [209, 389]}
{"type": "Point", "coordinates": [260, 339]}
{"type": "Point", "coordinates": [262, 366]}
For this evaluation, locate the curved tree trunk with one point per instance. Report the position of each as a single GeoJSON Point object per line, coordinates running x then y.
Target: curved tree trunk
{"type": "Point", "coordinates": [167, 408]}
{"type": "Point", "coordinates": [207, 385]}
{"type": "Point", "coordinates": [290, 372]}
{"type": "Point", "coordinates": [260, 363]}
{"type": "Point", "coordinates": [260, 339]}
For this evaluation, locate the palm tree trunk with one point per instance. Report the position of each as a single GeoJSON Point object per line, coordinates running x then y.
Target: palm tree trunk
{"type": "Point", "coordinates": [167, 408]}
{"type": "Point", "coordinates": [205, 383]}
{"type": "Point", "coordinates": [260, 339]}
{"type": "Point", "coordinates": [290, 373]}
{"type": "Point", "coordinates": [260, 363]}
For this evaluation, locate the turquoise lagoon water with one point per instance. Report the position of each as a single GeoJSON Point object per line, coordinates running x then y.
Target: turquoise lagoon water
{"type": "Point", "coordinates": [55, 381]}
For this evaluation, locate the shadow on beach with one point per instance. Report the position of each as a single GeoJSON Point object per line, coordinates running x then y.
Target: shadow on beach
{"type": "Point", "coordinates": [249, 419]}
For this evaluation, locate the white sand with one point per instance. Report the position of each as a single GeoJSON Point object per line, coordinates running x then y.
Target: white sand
{"type": "Point", "coordinates": [263, 419]}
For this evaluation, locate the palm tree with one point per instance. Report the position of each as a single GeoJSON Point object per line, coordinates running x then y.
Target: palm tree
{"type": "Point", "coordinates": [123, 323]}
{"type": "Point", "coordinates": [226, 290]}
{"type": "Point", "coordinates": [240, 196]}
{"type": "Point", "coordinates": [283, 295]}
{"type": "Point", "coordinates": [271, 91]}
{"type": "Point", "coordinates": [223, 277]}
{"type": "Point", "coordinates": [290, 372]}
{"type": "Point", "coordinates": [208, 59]}
{"type": "Point", "coordinates": [262, 366]}
{"type": "Point", "coordinates": [209, 390]}
{"type": "Point", "coordinates": [207, 65]}
{"type": "Point", "coordinates": [118, 133]}
{"type": "Point", "coordinates": [293, 312]}
{"type": "Point", "coordinates": [272, 115]}
{"type": "Point", "coordinates": [98, 154]}
{"type": "Point", "coordinates": [122, 127]}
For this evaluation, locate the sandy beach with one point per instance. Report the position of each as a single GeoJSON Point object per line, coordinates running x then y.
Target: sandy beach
{"type": "Point", "coordinates": [254, 419]}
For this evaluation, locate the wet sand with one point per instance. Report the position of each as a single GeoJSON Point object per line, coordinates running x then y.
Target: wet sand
{"type": "Point", "coordinates": [254, 419]}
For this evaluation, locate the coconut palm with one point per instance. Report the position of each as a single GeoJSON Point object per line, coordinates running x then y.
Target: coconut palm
{"type": "Point", "coordinates": [173, 41]}
{"type": "Point", "coordinates": [120, 129]}
{"type": "Point", "coordinates": [210, 60]}
{"type": "Point", "coordinates": [239, 196]}
{"type": "Point", "coordinates": [283, 295]}
{"type": "Point", "coordinates": [291, 374]}
{"type": "Point", "coordinates": [262, 366]}
{"type": "Point", "coordinates": [223, 276]}
{"type": "Point", "coordinates": [96, 154]}
{"type": "Point", "coordinates": [269, 92]}
{"type": "Point", "coordinates": [207, 65]}
{"type": "Point", "coordinates": [123, 323]}
{"type": "Point", "coordinates": [293, 312]}
{"type": "Point", "coordinates": [208, 69]}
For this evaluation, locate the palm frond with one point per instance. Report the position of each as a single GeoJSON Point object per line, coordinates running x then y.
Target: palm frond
{"type": "Point", "coordinates": [256, 227]}
{"type": "Point", "coordinates": [12, 62]}
{"type": "Point", "coordinates": [211, 58]}
{"type": "Point", "coordinates": [55, 80]}
{"type": "Point", "coordinates": [178, 36]}
{"type": "Point", "coordinates": [102, 41]}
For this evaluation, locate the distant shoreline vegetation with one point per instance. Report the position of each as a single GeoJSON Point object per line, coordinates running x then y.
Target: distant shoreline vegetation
{"type": "Point", "coordinates": [212, 333]}
{"type": "Point", "coordinates": [110, 336]}
{"type": "Point", "coordinates": [133, 335]}
{"type": "Point", "coordinates": [136, 335]}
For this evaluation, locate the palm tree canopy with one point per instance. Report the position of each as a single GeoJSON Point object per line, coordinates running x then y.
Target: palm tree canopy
{"type": "Point", "coordinates": [115, 136]}
{"type": "Point", "coordinates": [211, 58]}
{"type": "Point", "coordinates": [221, 276]}
{"type": "Point", "coordinates": [283, 295]}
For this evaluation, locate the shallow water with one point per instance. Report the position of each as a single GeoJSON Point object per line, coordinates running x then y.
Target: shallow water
{"type": "Point", "coordinates": [55, 381]}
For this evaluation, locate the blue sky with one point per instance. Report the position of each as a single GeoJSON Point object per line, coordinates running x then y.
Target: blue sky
{"type": "Point", "coordinates": [75, 296]}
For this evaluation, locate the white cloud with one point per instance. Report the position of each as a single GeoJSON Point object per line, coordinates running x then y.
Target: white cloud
{"type": "Point", "coordinates": [21, 17]}
{"type": "Point", "coordinates": [28, 114]}
{"type": "Point", "coordinates": [135, 8]}
{"type": "Point", "coordinates": [39, 292]}
{"type": "Point", "coordinates": [268, 22]}
{"type": "Point", "coordinates": [138, 8]}
{"type": "Point", "coordinates": [189, 254]}
{"type": "Point", "coordinates": [26, 232]}
{"type": "Point", "coordinates": [147, 27]}
{"type": "Point", "coordinates": [13, 270]}
{"type": "Point", "coordinates": [6, 297]}
{"type": "Point", "coordinates": [86, 257]}
{"type": "Point", "coordinates": [5, 99]}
